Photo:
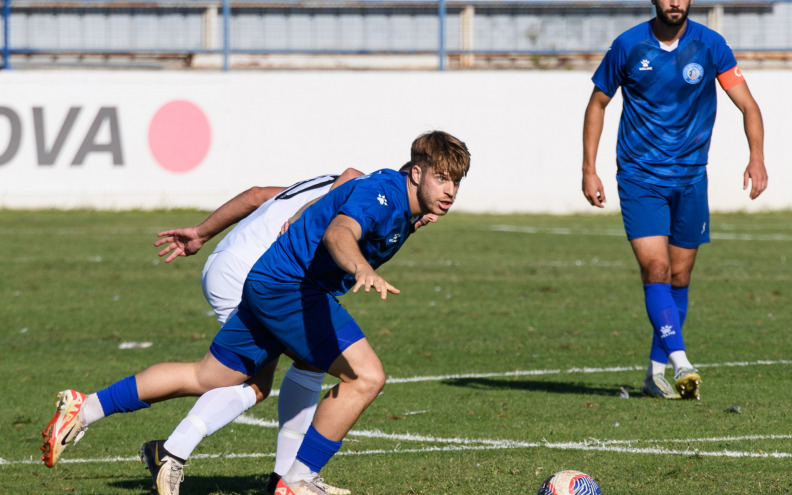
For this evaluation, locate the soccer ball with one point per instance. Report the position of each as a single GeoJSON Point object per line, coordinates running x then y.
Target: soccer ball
{"type": "Point", "coordinates": [569, 483]}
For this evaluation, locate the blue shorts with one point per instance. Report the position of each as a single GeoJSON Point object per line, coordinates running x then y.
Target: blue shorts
{"type": "Point", "coordinates": [311, 323]}
{"type": "Point", "coordinates": [679, 212]}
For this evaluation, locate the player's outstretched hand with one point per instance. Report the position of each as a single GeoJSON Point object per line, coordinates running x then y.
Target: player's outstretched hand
{"type": "Point", "coordinates": [180, 242]}
{"type": "Point", "coordinates": [756, 174]}
{"type": "Point", "coordinates": [369, 279]}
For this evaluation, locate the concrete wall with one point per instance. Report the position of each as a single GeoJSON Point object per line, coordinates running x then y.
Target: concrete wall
{"type": "Point", "coordinates": [184, 139]}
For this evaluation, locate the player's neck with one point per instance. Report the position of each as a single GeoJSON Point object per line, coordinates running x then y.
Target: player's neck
{"type": "Point", "coordinates": [667, 34]}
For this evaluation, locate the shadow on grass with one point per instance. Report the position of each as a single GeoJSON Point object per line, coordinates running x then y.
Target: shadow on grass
{"type": "Point", "coordinates": [542, 386]}
{"type": "Point", "coordinates": [204, 485]}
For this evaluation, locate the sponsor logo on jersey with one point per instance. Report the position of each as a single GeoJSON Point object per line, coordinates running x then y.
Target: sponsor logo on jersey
{"type": "Point", "coordinates": [693, 73]}
{"type": "Point", "coordinates": [645, 65]}
{"type": "Point", "coordinates": [382, 199]}
{"type": "Point", "coordinates": [394, 239]}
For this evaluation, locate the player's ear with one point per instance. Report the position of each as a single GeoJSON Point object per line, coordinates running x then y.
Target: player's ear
{"type": "Point", "coordinates": [415, 173]}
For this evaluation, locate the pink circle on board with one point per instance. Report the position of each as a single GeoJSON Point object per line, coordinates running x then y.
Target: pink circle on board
{"type": "Point", "coordinates": [179, 136]}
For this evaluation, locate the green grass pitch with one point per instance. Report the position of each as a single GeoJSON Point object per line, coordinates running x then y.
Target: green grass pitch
{"type": "Point", "coordinates": [505, 350]}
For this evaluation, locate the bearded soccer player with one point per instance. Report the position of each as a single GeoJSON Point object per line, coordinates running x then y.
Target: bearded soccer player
{"type": "Point", "coordinates": [667, 69]}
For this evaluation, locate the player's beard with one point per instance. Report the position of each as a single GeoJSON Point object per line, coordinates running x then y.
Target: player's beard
{"type": "Point", "coordinates": [664, 18]}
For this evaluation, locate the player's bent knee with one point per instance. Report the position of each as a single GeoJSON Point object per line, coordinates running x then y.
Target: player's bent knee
{"type": "Point", "coordinates": [370, 384]}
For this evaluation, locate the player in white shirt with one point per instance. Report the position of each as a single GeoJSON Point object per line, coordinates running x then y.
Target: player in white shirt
{"type": "Point", "coordinates": [223, 276]}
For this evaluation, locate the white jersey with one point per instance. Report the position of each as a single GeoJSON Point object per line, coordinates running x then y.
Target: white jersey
{"type": "Point", "coordinates": [227, 267]}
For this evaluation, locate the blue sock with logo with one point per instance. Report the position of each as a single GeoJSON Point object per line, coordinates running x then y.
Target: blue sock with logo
{"type": "Point", "coordinates": [316, 449]}
{"type": "Point", "coordinates": [664, 316]}
{"type": "Point", "coordinates": [680, 296]}
{"type": "Point", "coordinates": [122, 396]}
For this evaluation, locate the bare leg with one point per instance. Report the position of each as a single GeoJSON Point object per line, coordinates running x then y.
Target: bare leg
{"type": "Point", "coordinates": [362, 379]}
{"type": "Point", "coordinates": [168, 380]}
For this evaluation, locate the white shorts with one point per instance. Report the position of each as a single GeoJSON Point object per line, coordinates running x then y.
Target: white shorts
{"type": "Point", "coordinates": [222, 279]}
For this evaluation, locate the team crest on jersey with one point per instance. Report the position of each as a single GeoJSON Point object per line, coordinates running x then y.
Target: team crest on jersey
{"type": "Point", "coordinates": [693, 73]}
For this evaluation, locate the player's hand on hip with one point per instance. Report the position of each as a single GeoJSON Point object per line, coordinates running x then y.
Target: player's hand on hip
{"type": "Point", "coordinates": [756, 174]}
{"type": "Point", "coordinates": [593, 190]}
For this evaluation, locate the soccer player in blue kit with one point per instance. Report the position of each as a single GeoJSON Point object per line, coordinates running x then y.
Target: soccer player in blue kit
{"type": "Point", "coordinates": [667, 68]}
{"type": "Point", "coordinates": [289, 305]}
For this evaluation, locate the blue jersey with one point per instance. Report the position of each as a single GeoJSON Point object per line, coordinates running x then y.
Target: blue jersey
{"type": "Point", "coordinates": [378, 202]}
{"type": "Point", "coordinates": [669, 101]}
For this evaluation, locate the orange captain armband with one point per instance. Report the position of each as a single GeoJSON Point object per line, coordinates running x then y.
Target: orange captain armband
{"type": "Point", "coordinates": [730, 78]}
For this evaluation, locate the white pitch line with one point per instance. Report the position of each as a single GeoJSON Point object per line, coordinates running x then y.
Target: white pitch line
{"type": "Point", "coordinates": [483, 444]}
{"type": "Point", "coordinates": [408, 437]}
{"type": "Point", "coordinates": [456, 444]}
{"type": "Point", "coordinates": [620, 233]}
{"type": "Point", "coordinates": [568, 371]}
{"type": "Point", "coordinates": [691, 440]}
{"type": "Point", "coordinates": [591, 443]}
{"type": "Point", "coordinates": [663, 451]}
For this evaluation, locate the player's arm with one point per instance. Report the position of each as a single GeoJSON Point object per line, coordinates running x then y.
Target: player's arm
{"type": "Point", "coordinates": [593, 123]}
{"type": "Point", "coordinates": [187, 241]}
{"type": "Point", "coordinates": [341, 240]}
{"type": "Point", "coordinates": [755, 172]}
{"type": "Point", "coordinates": [348, 174]}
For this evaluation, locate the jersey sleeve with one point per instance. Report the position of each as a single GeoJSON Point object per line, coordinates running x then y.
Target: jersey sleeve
{"type": "Point", "coordinates": [729, 74]}
{"type": "Point", "coordinates": [368, 206]}
{"type": "Point", "coordinates": [610, 73]}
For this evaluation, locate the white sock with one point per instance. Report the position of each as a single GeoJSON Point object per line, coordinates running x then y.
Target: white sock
{"type": "Point", "coordinates": [299, 394]}
{"type": "Point", "coordinates": [213, 410]}
{"type": "Point", "coordinates": [297, 471]}
{"type": "Point", "coordinates": [655, 368]}
{"type": "Point", "coordinates": [679, 360]}
{"type": "Point", "coordinates": [91, 410]}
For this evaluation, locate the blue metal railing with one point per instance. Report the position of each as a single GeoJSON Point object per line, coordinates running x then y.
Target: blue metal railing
{"type": "Point", "coordinates": [226, 34]}
{"type": "Point", "coordinates": [75, 29]}
{"type": "Point", "coordinates": [441, 16]}
{"type": "Point", "coordinates": [6, 44]}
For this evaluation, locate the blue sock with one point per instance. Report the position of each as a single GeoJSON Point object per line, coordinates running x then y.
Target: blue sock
{"type": "Point", "coordinates": [316, 449]}
{"type": "Point", "coordinates": [122, 396]}
{"type": "Point", "coordinates": [664, 316]}
{"type": "Point", "coordinates": [657, 353]}
{"type": "Point", "coordinates": [680, 296]}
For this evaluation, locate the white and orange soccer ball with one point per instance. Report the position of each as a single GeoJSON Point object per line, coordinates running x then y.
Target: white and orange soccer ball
{"type": "Point", "coordinates": [569, 483]}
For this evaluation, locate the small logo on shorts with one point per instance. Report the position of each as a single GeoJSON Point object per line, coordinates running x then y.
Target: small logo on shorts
{"type": "Point", "coordinates": [693, 73]}
{"type": "Point", "coordinates": [703, 227]}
